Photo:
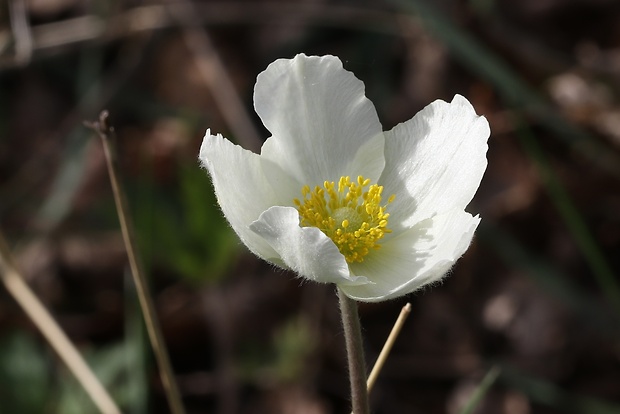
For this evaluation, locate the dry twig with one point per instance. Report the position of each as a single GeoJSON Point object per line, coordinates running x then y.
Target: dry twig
{"type": "Point", "coordinates": [40, 316]}
{"type": "Point", "coordinates": [104, 131]}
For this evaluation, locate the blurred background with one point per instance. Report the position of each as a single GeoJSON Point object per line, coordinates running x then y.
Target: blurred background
{"type": "Point", "coordinates": [537, 295]}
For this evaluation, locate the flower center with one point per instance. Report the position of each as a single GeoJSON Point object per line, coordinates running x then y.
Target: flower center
{"type": "Point", "coordinates": [349, 213]}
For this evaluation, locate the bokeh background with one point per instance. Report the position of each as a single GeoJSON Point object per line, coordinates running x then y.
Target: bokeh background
{"type": "Point", "coordinates": [536, 296]}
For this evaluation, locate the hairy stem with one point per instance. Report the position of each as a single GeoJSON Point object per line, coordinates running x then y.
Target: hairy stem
{"type": "Point", "coordinates": [355, 353]}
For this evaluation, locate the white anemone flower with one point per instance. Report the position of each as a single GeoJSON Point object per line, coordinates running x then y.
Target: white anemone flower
{"type": "Point", "coordinates": [337, 200]}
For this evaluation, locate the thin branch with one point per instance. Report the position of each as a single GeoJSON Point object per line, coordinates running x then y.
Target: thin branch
{"type": "Point", "coordinates": [104, 131]}
{"type": "Point", "coordinates": [21, 31]}
{"type": "Point", "coordinates": [43, 320]}
{"type": "Point", "coordinates": [74, 31]}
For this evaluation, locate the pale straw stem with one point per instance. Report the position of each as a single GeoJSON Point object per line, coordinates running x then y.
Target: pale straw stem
{"type": "Point", "coordinates": [387, 347]}
{"type": "Point", "coordinates": [44, 321]}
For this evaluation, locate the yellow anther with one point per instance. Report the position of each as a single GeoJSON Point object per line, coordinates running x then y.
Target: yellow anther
{"type": "Point", "coordinates": [352, 216]}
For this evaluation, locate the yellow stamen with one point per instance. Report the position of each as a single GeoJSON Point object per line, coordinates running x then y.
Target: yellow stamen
{"type": "Point", "coordinates": [350, 214]}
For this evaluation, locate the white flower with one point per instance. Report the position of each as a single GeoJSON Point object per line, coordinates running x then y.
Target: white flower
{"type": "Point", "coordinates": [337, 200]}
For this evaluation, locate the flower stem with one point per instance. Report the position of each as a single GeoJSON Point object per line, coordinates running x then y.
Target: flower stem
{"type": "Point", "coordinates": [355, 353]}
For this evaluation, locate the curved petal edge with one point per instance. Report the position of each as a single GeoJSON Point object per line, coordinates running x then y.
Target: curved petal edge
{"type": "Point", "coordinates": [416, 258]}
{"type": "Point", "coordinates": [305, 250]}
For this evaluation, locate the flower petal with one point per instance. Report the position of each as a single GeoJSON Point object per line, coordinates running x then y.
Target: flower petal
{"type": "Point", "coordinates": [306, 250]}
{"type": "Point", "coordinates": [416, 257]}
{"type": "Point", "coordinates": [323, 126]}
{"type": "Point", "coordinates": [434, 161]}
{"type": "Point", "coordinates": [245, 186]}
